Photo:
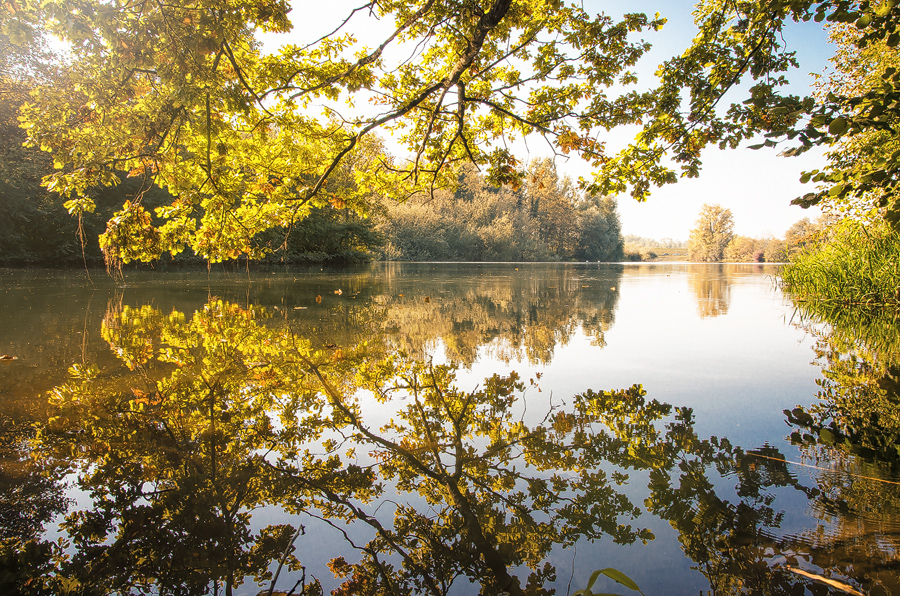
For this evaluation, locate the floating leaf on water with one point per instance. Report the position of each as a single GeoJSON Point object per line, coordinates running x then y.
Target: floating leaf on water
{"type": "Point", "coordinates": [318, 299]}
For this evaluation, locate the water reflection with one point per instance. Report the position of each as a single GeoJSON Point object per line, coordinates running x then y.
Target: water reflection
{"type": "Point", "coordinates": [29, 496]}
{"type": "Point", "coordinates": [169, 456]}
{"type": "Point", "coordinates": [712, 287]}
{"type": "Point", "coordinates": [858, 408]}
{"type": "Point", "coordinates": [228, 411]}
{"type": "Point", "coordinates": [193, 425]}
{"type": "Point", "coordinates": [515, 315]}
{"type": "Point", "coordinates": [851, 437]}
{"type": "Point", "coordinates": [732, 538]}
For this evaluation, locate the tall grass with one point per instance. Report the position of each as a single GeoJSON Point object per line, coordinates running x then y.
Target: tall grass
{"type": "Point", "coordinates": [855, 264]}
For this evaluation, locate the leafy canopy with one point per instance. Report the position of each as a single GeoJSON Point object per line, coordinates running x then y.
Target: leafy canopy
{"type": "Point", "coordinates": [184, 95]}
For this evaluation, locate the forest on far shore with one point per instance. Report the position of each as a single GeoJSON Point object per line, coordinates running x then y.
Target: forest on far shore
{"type": "Point", "coordinates": [713, 240]}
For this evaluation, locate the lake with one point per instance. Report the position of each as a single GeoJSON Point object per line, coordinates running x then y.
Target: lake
{"type": "Point", "coordinates": [443, 428]}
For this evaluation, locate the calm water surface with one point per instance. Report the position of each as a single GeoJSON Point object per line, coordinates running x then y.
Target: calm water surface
{"type": "Point", "coordinates": [188, 423]}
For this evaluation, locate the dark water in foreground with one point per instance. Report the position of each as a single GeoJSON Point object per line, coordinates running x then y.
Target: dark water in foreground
{"type": "Point", "coordinates": [684, 424]}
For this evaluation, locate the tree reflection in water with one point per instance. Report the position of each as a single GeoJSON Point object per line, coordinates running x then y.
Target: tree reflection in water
{"type": "Point", "coordinates": [853, 433]}
{"type": "Point", "coordinates": [512, 316]}
{"type": "Point", "coordinates": [229, 410]}
{"type": "Point", "coordinates": [712, 287]}
{"type": "Point", "coordinates": [849, 448]}
{"type": "Point", "coordinates": [29, 498]}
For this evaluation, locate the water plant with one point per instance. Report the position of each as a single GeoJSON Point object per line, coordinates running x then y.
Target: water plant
{"type": "Point", "coordinates": [611, 573]}
{"type": "Point", "coordinates": [858, 263]}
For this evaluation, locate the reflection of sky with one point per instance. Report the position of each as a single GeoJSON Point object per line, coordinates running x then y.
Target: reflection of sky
{"type": "Point", "coordinates": [738, 371]}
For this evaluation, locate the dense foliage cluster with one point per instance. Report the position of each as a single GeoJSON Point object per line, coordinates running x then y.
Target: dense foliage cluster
{"type": "Point", "coordinates": [546, 219]}
{"type": "Point", "coordinates": [714, 239]}
{"type": "Point", "coordinates": [857, 116]}
{"type": "Point", "coordinates": [184, 96]}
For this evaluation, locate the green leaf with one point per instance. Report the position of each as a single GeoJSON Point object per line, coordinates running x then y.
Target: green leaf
{"type": "Point", "coordinates": [593, 578]}
{"type": "Point", "coordinates": [838, 126]}
{"type": "Point", "coordinates": [620, 577]}
{"type": "Point", "coordinates": [807, 200]}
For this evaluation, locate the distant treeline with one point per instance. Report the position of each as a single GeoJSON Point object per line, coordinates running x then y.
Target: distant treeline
{"type": "Point", "coordinates": [547, 219]}
{"type": "Point", "coordinates": [714, 239]}
{"type": "Point", "coordinates": [638, 248]}
{"type": "Point", "coordinates": [640, 242]}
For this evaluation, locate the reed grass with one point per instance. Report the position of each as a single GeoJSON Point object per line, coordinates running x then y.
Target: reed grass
{"type": "Point", "coordinates": [856, 264]}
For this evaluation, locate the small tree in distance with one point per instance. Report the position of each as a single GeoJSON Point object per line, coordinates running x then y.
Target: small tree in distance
{"type": "Point", "coordinates": [714, 231]}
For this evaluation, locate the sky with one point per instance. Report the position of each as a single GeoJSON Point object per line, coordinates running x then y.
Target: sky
{"type": "Point", "coordinates": [757, 186]}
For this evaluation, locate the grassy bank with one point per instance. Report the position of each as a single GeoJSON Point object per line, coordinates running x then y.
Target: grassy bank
{"type": "Point", "coordinates": [855, 264]}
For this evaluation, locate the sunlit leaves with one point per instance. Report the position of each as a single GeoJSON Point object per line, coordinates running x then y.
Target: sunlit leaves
{"type": "Point", "coordinates": [184, 95]}
{"type": "Point", "coordinates": [713, 233]}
